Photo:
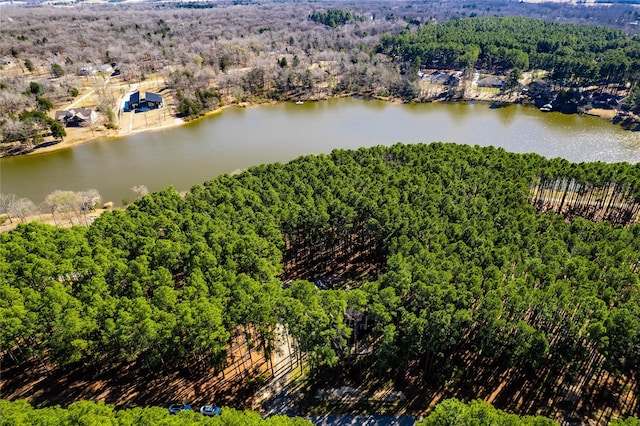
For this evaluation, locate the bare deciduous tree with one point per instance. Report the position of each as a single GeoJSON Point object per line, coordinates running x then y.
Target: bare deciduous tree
{"type": "Point", "coordinates": [6, 205]}
{"type": "Point", "coordinates": [64, 202]}
{"type": "Point", "coordinates": [140, 190]}
{"type": "Point", "coordinates": [21, 208]}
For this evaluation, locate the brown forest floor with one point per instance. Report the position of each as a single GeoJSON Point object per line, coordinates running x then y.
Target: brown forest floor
{"type": "Point", "coordinates": [135, 384]}
{"type": "Point", "coordinates": [584, 395]}
{"type": "Point", "coordinates": [589, 398]}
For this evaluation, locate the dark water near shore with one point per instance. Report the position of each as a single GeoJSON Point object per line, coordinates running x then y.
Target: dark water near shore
{"type": "Point", "coordinates": [240, 138]}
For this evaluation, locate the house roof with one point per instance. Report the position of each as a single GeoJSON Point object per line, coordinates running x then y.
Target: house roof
{"type": "Point", "coordinates": [105, 68]}
{"type": "Point", "coordinates": [153, 97]}
{"type": "Point", "coordinates": [538, 87]}
{"type": "Point", "coordinates": [82, 114]}
{"type": "Point", "coordinates": [134, 98]}
{"type": "Point", "coordinates": [491, 81]}
{"type": "Point", "coordinates": [60, 115]}
{"type": "Point", "coordinates": [87, 69]}
{"type": "Point", "coordinates": [438, 77]}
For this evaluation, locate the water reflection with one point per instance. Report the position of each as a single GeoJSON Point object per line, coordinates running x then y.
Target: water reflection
{"type": "Point", "coordinates": [508, 114]}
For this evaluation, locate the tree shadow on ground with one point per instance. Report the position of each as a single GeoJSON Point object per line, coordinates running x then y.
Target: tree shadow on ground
{"type": "Point", "coordinates": [135, 384]}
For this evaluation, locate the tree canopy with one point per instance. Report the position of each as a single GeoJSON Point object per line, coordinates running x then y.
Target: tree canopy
{"type": "Point", "coordinates": [568, 51]}
{"type": "Point", "coordinates": [335, 17]}
{"type": "Point", "coordinates": [477, 413]}
{"type": "Point", "coordinates": [449, 252]}
{"type": "Point", "coordinates": [21, 413]}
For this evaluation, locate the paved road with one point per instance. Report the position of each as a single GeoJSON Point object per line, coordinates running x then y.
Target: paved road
{"type": "Point", "coordinates": [363, 420]}
{"type": "Point", "coordinates": [280, 400]}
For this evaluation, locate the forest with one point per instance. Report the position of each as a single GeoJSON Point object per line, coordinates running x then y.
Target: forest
{"type": "Point", "coordinates": [444, 271]}
{"type": "Point", "coordinates": [439, 273]}
{"type": "Point", "coordinates": [579, 53]}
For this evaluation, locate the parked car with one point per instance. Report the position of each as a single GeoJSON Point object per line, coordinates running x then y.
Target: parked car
{"type": "Point", "coordinates": [210, 410]}
{"type": "Point", "coordinates": [176, 408]}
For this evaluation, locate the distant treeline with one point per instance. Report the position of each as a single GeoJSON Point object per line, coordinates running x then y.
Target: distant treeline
{"type": "Point", "coordinates": [465, 265]}
{"type": "Point", "coordinates": [568, 51]}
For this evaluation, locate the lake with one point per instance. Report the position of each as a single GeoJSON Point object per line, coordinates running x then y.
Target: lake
{"type": "Point", "coordinates": [242, 137]}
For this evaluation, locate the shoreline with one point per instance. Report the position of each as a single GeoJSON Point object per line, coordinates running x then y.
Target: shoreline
{"type": "Point", "coordinates": [81, 136]}
{"type": "Point", "coordinates": [80, 139]}
{"type": "Point", "coordinates": [76, 141]}
{"type": "Point", "coordinates": [61, 220]}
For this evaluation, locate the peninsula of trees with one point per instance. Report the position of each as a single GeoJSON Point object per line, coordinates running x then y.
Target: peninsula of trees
{"type": "Point", "coordinates": [433, 269]}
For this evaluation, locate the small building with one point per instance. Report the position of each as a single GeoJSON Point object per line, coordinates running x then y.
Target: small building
{"type": "Point", "coordinates": [445, 78]}
{"type": "Point", "coordinates": [153, 100]}
{"type": "Point", "coordinates": [150, 101]}
{"type": "Point", "coordinates": [438, 77]}
{"type": "Point", "coordinates": [495, 82]}
{"type": "Point", "coordinates": [134, 100]}
{"type": "Point", "coordinates": [87, 70]}
{"type": "Point", "coordinates": [605, 101]}
{"type": "Point", "coordinates": [105, 68]}
{"type": "Point", "coordinates": [77, 117]}
{"type": "Point", "coordinates": [536, 88]}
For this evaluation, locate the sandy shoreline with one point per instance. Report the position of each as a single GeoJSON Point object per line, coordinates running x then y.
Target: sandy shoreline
{"type": "Point", "coordinates": [81, 136]}
{"type": "Point", "coordinates": [607, 114]}
{"type": "Point", "coordinates": [61, 220]}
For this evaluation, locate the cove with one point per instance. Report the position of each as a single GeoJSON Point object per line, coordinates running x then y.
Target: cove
{"type": "Point", "coordinates": [240, 138]}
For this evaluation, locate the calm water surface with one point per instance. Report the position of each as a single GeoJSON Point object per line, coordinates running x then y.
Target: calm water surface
{"type": "Point", "coordinates": [240, 138]}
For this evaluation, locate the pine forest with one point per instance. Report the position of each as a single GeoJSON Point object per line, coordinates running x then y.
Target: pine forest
{"type": "Point", "coordinates": [447, 269]}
